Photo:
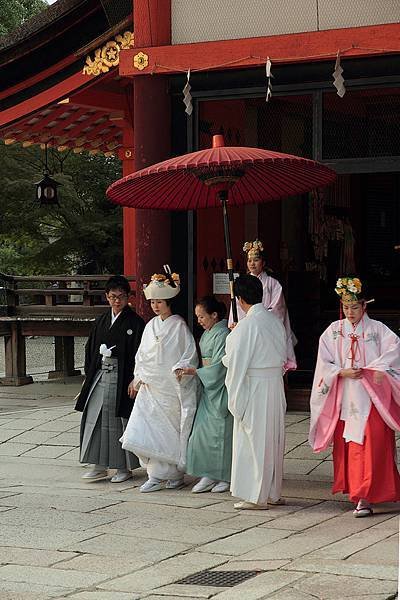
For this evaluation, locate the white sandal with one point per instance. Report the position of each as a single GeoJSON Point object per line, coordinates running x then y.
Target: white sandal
{"type": "Point", "coordinates": [364, 511]}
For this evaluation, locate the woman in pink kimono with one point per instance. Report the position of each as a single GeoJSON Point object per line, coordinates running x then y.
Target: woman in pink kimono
{"type": "Point", "coordinates": [273, 298]}
{"type": "Point", "coordinates": [355, 402]}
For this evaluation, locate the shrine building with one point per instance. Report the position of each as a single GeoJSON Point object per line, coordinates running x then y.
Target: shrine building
{"type": "Point", "coordinates": [107, 76]}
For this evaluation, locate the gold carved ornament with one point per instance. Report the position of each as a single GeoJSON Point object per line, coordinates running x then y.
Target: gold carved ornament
{"type": "Point", "coordinates": [140, 61]}
{"type": "Point", "coordinates": [108, 56]}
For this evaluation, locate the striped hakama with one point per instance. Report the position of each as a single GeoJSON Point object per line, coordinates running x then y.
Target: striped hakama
{"type": "Point", "coordinates": [101, 430]}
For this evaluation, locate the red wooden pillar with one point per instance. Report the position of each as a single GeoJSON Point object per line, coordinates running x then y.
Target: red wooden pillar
{"type": "Point", "coordinates": [128, 166]}
{"type": "Point", "coordinates": [152, 138]}
{"type": "Point", "coordinates": [129, 214]}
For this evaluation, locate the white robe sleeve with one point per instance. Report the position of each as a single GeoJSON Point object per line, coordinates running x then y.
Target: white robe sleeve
{"type": "Point", "coordinates": [186, 388]}
{"type": "Point", "coordinates": [186, 343]}
{"type": "Point", "coordinates": [326, 367]}
{"type": "Point", "coordinates": [326, 371]}
{"type": "Point", "coordinates": [389, 358]}
{"type": "Point", "coordinates": [239, 348]}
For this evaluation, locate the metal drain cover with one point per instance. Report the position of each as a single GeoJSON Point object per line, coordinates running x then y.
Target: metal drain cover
{"type": "Point", "coordinates": [218, 578]}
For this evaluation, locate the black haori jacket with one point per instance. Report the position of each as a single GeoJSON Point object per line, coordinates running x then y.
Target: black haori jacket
{"type": "Point", "coordinates": [125, 335]}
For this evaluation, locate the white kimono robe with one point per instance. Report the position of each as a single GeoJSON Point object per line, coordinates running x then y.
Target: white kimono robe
{"type": "Point", "coordinates": [164, 409]}
{"type": "Point", "coordinates": [274, 301]}
{"type": "Point", "coordinates": [255, 356]}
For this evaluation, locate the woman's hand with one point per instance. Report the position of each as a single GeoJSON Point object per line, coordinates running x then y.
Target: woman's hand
{"type": "Point", "coordinates": [179, 374]}
{"type": "Point", "coordinates": [378, 377]}
{"type": "Point", "coordinates": [133, 388]}
{"type": "Point", "coordinates": [351, 373]}
{"type": "Point", "coordinates": [188, 371]}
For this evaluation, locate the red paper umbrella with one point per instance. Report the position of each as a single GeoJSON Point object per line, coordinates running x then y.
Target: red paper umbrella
{"type": "Point", "coordinates": [217, 176]}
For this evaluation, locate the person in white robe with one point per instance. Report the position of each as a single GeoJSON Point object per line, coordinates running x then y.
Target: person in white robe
{"type": "Point", "coordinates": [273, 298]}
{"type": "Point", "coordinates": [255, 358]}
{"type": "Point", "coordinates": [355, 402]}
{"type": "Point", "coordinates": [162, 417]}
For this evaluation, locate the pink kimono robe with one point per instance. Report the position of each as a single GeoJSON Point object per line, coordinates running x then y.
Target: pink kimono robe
{"type": "Point", "coordinates": [274, 300]}
{"type": "Point", "coordinates": [358, 415]}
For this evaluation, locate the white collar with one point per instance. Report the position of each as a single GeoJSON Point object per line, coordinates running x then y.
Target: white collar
{"type": "Point", "coordinates": [114, 317]}
{"type": "Point", "coordinates": [255, 308]}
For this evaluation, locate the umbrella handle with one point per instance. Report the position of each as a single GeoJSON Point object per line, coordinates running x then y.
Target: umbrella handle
{"type": "Point", "coordinates": [223, 196]}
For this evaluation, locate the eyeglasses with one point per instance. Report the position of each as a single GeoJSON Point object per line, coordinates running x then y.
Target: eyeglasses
{"type": "Point", "coordinates": [115, 297]}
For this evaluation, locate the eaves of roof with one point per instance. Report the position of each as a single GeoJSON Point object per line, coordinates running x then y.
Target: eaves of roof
{"type": "Point", "coordinates": [39, 22]}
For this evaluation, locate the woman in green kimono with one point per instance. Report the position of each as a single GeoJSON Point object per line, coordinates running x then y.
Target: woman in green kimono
{"type": "Point", "coordinates": [209, 452]}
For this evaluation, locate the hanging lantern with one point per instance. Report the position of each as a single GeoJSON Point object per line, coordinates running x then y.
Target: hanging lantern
{"type": "Point", "coordinates": [46, 191]}
{"type": "Point", "coordinates": [46, 188]}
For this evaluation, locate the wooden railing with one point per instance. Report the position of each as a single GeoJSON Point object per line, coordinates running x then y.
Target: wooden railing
{"type": "Point", "coordinates": [22, 294]}
{"type": "Point", "coordinates": [62, 306]}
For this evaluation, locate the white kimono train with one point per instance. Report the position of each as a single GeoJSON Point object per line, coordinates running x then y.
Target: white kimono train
{"type": "Point", "coordinates": [164, 409]}
{"type": "Point", "coordinates": [255, 356]}
{"type": "Point", "coordinates": [274, 301]}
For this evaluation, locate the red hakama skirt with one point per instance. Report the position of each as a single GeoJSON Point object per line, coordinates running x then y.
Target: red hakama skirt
{"type": "Point", "coordinates": [367, 470]}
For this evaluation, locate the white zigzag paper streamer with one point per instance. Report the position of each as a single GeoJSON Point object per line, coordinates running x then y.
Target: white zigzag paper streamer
{"type": "Point", "coordinates": [268, 66]}
{"type": "Point", "coordinates": [338, 79]}
{"type": "Point", "coordinates": [187, 97]}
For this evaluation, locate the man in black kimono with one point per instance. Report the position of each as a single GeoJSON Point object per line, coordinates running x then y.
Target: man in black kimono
{"type": "Point", "coordinates": [104, 400]}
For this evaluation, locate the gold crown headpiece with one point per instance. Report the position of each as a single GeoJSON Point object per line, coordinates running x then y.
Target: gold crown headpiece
{"type": "Point", "coordinates": [348, 288]}
{"type": "Point", "coordinates": [159, 277]}
{"type": "Point", "coordinates": [253, 249]}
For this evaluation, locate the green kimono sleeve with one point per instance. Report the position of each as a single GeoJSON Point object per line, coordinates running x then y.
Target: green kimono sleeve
{"type": "Point", "coordinates": [213, 375]}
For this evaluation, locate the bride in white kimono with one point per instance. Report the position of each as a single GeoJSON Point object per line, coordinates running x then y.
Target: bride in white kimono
{"type": "Point", "coordinates": [162, 417]}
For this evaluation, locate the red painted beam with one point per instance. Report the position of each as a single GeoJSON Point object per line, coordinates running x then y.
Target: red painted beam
{"type": "Point", "coordinates": [108, 137]}
{"type": "Point", "coordinates": [112, 130]}
{"type": "Point", "coordinates": [54, 94]}
{"type": "Point", "coordinates": [39, 76]}
{"type": "Point", "coordinates": [41, 125]}
{"type": "Point", "coordinates": [39, 132]}
{"type": "Point", "coordinates": [100, 100]}
{"type": "Point", "coordinates": [252, 52]}
{"type": "Point", "coordinates": [42, 122]}
{"type": "Point", "coordinates": [91, 140]}
{"type": "Point", "coordinates": [78, 126]}
{"type": "Point", "coordinates": [152, 22]}
{"type": "Point", "coordinates": [32, 132]}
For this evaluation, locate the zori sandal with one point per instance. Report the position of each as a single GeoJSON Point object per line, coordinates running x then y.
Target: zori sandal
{"type": "Point", "coordinates": [365, 511]}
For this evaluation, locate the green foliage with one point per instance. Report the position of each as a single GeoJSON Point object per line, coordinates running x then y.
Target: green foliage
{"type": "Point", "coordinates": [83, 235]}
{"type": "Point", "coordinates": [15, 12]}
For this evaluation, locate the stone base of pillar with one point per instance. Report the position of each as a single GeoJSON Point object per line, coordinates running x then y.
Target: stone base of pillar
{"type": "Point", "coordinates": [18, 380]}
{"type": "Point", "coordinates": [63, 374]}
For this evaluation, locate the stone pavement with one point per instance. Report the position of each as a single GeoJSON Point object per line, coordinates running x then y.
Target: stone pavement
{"type": "Point", "coordinates": [63, 538]}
